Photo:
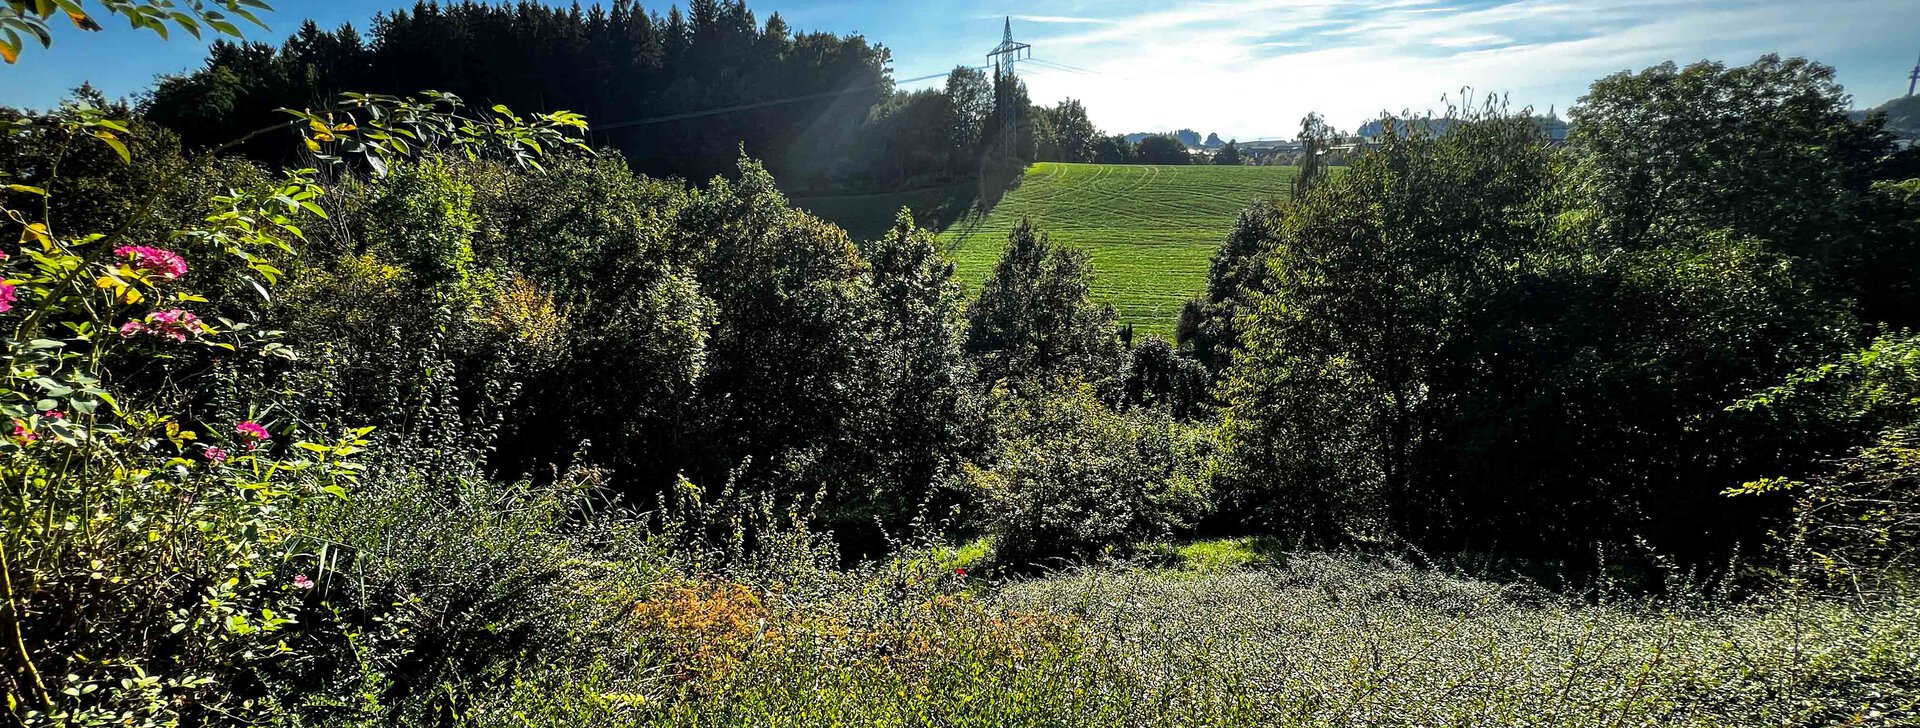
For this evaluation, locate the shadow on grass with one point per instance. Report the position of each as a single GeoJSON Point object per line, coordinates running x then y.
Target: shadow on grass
{"type": "Point", "coordinates": [958, 207]}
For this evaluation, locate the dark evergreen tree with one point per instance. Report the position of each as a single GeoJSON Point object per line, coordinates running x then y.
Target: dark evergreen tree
{"type": "Point", "coordinates": [632, 73]}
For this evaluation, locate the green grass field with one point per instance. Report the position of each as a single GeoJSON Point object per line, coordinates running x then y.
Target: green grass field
{"type": "Point", "coordinates": [867, 217]}
{"type": "Point", "coordinates": [1150, 229]}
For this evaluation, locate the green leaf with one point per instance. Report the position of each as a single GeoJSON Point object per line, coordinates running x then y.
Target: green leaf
{"type": "Point", "coordinates": [118, 147]}
{"type": "Point", "coordinates": [186, 21]}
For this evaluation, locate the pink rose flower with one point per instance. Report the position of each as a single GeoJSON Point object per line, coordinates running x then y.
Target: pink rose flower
{"type": "Point", "coordinates": [215, 454]}
{"type": "Point", "coordinates": [6, 297]}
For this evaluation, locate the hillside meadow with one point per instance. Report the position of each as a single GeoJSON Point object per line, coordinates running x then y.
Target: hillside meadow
{"type": "Point", "coordinates": [418, 410]}
{"type": "Point", "coordinates": [1149, 229]}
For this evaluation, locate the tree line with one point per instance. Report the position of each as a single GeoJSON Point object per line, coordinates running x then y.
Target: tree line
{"type": "Point", "coordinates": [1471, 338]}
{"type": "Point", "coordinates": [678, 95]}
{"type": "Point", "coordinates": [1475, 339]}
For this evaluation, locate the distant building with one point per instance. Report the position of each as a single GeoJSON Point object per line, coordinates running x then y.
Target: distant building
{"type": "Point", "coordinates": [1270, 151]}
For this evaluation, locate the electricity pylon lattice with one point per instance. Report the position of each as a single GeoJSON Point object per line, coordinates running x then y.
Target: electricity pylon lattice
{"type": "Point", "coordinates": [1009, 51]}
{"type": "Point", "coordinates": [1004, 56]}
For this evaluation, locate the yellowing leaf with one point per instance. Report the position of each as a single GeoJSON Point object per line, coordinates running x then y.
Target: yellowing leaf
{"type": "Point", "coordinates": [118, 147]}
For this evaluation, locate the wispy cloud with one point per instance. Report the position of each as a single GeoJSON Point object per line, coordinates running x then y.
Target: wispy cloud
{"type": "Point", "coordinates": [1472, 41]}
{"type": "Point", "coordinates": [1062, 20]}
{"type": "Point", "coordinates": [1254, 67]}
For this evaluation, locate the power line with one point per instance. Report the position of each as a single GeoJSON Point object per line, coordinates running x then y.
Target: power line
{"type": "Point", "coordinates": [1062, 66]}
{"type": "Point", "coordinates": [1008, 51]}
{"type": "Point", "coordinates": [759, 104]}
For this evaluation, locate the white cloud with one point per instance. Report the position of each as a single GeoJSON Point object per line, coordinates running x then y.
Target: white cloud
{"type": "Point", "coordinates": [1470, 41]}
{"type": "Point", "coordinates": [1061, 20]}
{"type": "Point", "coordinates": [1252, 69]}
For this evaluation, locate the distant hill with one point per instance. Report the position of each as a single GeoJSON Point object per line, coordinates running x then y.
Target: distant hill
{"type": "Point", "coordinates": [1903, 116]}
{"type": "Point", "coordinates": [1151, 230]}
{"type": "Point", "coordinates": [1188, 137]}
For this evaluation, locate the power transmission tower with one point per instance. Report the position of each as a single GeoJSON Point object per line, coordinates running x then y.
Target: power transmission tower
{"type": "Point", "coordinates": [1004, 56]}
{"type": "Point", "coordinates": [1913, 79]}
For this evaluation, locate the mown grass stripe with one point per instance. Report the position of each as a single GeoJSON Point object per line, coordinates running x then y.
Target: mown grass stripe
{"type": "Point", "coordinates": [1150, 229]}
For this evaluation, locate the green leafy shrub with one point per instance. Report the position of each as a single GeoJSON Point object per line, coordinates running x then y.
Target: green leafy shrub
{"type": "Point", "coordinates": [1857, 517]}
{"type": "Point", "coordinates": [147, 572]}
{"type": "Point", "coordinates": [149, 564]}
{"type": "Point", "coordinates": [1071, 478]}
{"type": "Point", "coordinates": [1035, 318]}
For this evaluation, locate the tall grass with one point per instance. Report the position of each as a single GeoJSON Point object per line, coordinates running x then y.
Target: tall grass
{"type": "Point", "coordinates": [1325, 640]}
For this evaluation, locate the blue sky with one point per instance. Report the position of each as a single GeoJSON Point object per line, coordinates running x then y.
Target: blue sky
{"type": "Point", "coordinates": [1245, 69]}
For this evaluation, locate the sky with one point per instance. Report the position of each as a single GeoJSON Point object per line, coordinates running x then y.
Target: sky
{"type": "Point", "coordinates": [1246, 69]}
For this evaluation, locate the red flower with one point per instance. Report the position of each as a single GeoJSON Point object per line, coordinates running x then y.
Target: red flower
{"type": "Point", "coordinates": [54, 415]}
{"type": "Point", "coordinates": [23, 435]}
{"type": "Point", "coordinates": [960, 572]}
